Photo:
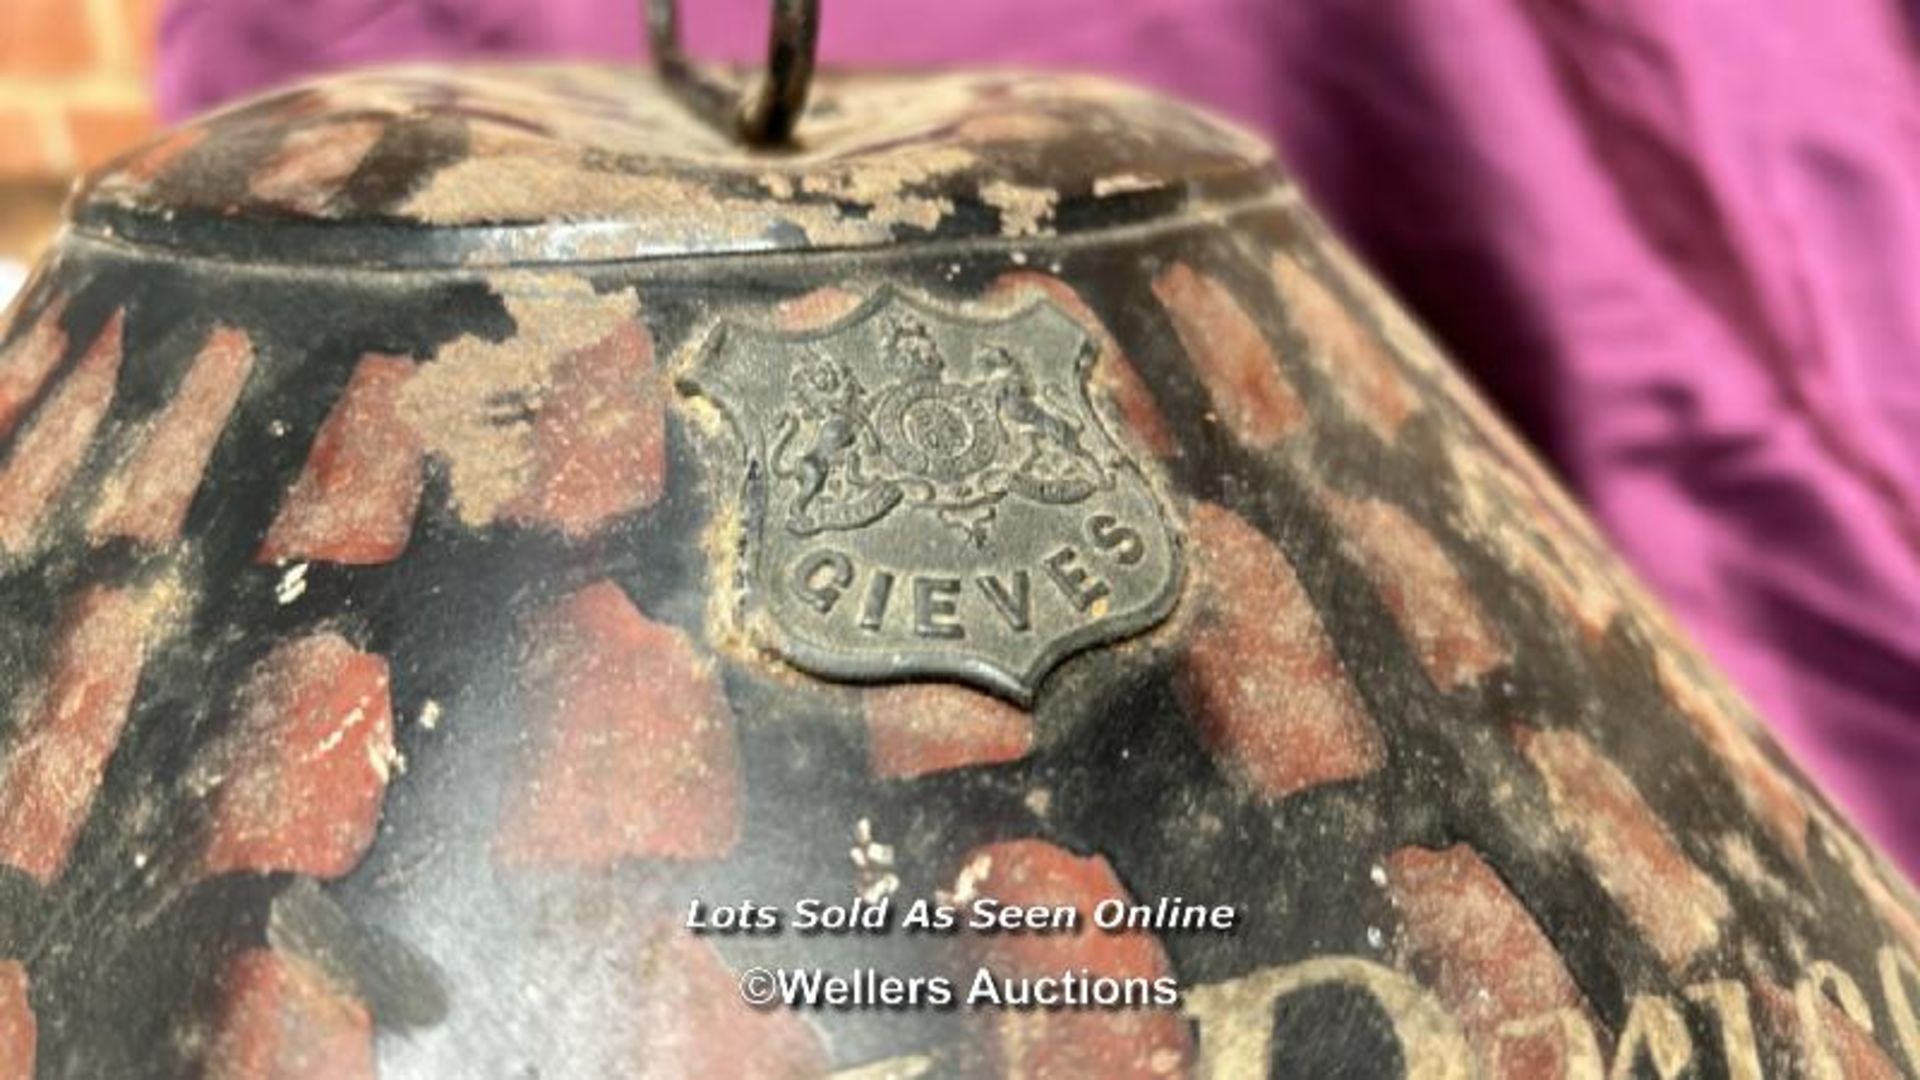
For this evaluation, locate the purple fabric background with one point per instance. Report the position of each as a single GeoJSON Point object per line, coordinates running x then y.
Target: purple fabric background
{"type": "Point", "coordinates": [1678, 242]}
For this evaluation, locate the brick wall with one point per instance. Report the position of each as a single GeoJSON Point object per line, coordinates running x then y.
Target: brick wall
{"type": "Point", "coordinates": [73, 83]}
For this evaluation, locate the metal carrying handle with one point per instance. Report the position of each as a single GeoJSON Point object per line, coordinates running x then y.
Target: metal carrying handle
{"type": "Point", "coordinates": [765, 116]}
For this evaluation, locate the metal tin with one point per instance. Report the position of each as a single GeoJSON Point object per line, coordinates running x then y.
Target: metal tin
{"type": "Point", "coordinates": [398, 479]}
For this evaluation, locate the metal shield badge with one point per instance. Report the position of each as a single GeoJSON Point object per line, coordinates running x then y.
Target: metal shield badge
{"type": "Point", "coordinates": [927, 493]}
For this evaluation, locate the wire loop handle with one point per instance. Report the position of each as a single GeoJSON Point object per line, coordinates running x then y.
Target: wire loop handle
{"type": "Point", "coordinates": [764, 116]}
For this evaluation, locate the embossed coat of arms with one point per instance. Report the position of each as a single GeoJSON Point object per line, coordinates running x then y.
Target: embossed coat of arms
{"type": "Point", "coordinates": [931, 494]}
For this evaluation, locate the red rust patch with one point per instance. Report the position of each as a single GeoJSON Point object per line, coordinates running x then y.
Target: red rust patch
{"type": "Point", "coordinates": [1250, 394]}
{"type": "Point", "coordinates": [811, 311]}
{"type": "Point", "coordinates": [356, 497]}
{"type": "Point", "coordinates": [54, 443]}
{"type": "Point", "coordinates": [1260, 676]}
{"type": "Point", "coordinates": [18, 1030]}
{"type": "Point", "coordinates": [1432, 603]}
{"type": "Point", "coordinates": [310, 167]}
{"type": "Point", "coordinates": [304, 770]}
{"type": "Point", "coordinates": [152, 161]}
{"type": "Point", "coordinates": [281, 1019]}
{"type": "Point", "coordinates": [915, 729]}
{"type": "Point", "coordinates": [1476, 945]}
{"type": "Point", "coordinates": [633, 748]}
{"type": "Point", "coordinates": [1362, 375]}
{"type": "Point", "coordinates": [697, 1026]}
{"type": "Point", "coordinates": [1677, 906]}
{"type": "Point", "coordinates": [71, 725]}
{"type": "Point", "coordinates": [599, 439]}
{"type": "Point", "coordinates": [1131, 1042]}
{"type": "Point", "coordinates": [26, 364]}
{"type": "Point", "coordinates": [1112, 372]}
{"type": "Point", "coordinates": [1825, 1042]}
{"type": "Point", "coordinates": [147, 499]}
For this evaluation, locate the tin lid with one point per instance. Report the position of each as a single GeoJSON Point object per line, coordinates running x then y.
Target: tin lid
{"type": "Point", "coordinates": [423, 167]}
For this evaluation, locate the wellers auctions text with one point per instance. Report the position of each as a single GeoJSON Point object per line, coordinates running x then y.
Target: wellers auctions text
{"type": "Point", "coordinates": [982, 915]}
{"type": "Point", "coordinates": [866, 988]}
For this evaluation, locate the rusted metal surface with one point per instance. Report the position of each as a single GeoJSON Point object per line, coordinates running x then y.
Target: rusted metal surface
{"type": "Point", "coordinates": [579, 163]}
{"type": "Point", "coordinates": [382, 677]}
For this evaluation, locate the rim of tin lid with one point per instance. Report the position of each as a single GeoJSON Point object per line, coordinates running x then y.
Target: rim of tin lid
{"type": "Point", "coordinates": [424, 167]}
